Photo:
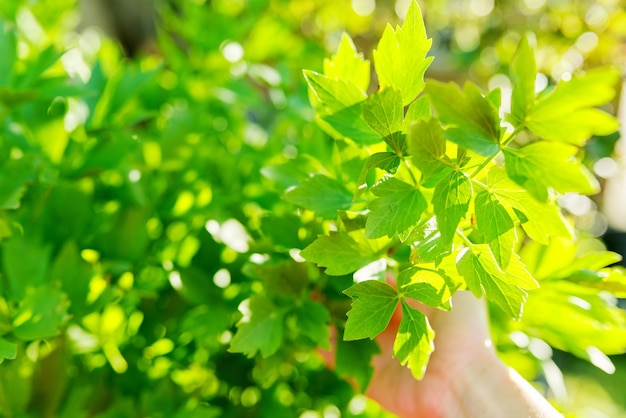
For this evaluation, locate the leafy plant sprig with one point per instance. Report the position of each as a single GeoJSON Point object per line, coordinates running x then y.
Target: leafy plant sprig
{"type": "Point", "coordinates": [445, 175]}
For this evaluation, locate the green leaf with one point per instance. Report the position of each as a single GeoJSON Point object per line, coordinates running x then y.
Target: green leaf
{"type": "Point", "coordinates": [312, 320]}
{"type": "Point", "coordinates": [567, 113]}
{"type": "Point", "coordinates": [414, 342]}
{"type": "Point", "coordinates": [348, 123]}
{"type": "Point", "coordinates": [417, 111]}
{"type": "Point", "coordinates": [283, 278]}
{"type": "Point", "coordinates": [431, 287]}
{"type": "Point", "coordinates": [74, 274]}
{"type": "Point", "coordinates": [338, 105]}
{"type": "Point", "coordinates": [40, 314]}
{"type": "Point", "coordinates": [388, 161]}
{"type": "Point", "coordinates": [260, 329]}
{"type": "Point", "coordinates": [26, 264]}
{"type": "Point", "coordinates": [577, 319]}
{"type": "Point", "coordinates": [471, 120]}
{"type": "Point", "coordinates": [450, 201]}
{"type": "Point", "coordinates": [427, 147]}
{"type": "Point", "coordinates": [400, 58]}
{"type": "Point", "coordinates": [398, 207]}
{"type": "Point", "coordinates": [543, 165]}
{"type": "Point", "coordinates": [523, 73]}
{"type": "Point", "coordinates": [343, 253]}
{"type": "Point", "coordinates": [348, 64]}
{"type": "Point", "coordinates": [321, 194]}
{"type": "Point", "coordinates": [8, 52]}
{"type": "Point", "coordinates": [354, 359]}
{"type": "Point", "coordinates": [426, 243]}
{"type": "Point", "coordinates": [373, 304]}
{"type": "Point", "coordinates": [383, 112]}
{"type": "Point", "coordinates": [14, 177]}
{"type": "Point", "coordinates": [483, 275]}
{"type": "Point", "coordinates": [496, 226]}
{"type": "Point", "coordinates": [330, 95]}
{"type": "Point", "coordinates": [539, 220]}
{"type": "Point", "coordinates": [8, 350]}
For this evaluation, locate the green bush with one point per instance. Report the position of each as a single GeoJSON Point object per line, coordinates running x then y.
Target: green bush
{"type": "Point", "coordinates": [156, 211]}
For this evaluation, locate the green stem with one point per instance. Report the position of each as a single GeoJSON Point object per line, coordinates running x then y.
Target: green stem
{"type": "Point", "coordinates": [466, 240]}
{"type": "Point", "coordinates": [504, 143]}
{"type": "Point", "coordinates": [408, 167]}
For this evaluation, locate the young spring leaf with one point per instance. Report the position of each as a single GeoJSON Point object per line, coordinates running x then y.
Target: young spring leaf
{"type": "Point", "coordinates": [539, 220]}
{"type": "Point", "coordinates": [337, 104]}
{"type": "Point", "coordinates": [321, 194]}
{"type": "Point", "coordinates": [414, 342]}
{"type": "Point", "coordinates": [343, 253]}
{"type": "Point", "coordinates": [383, 113]}
{"type": "Point", "coordinates": [348, 64]}
{"type": "Point", "coordinates": [544, 165]}
{"type": "Point", "coordinates": [496, 226]}
{"type": "Point", "coordinates": [400, 58]}
{"type": "Point", "coordinates": [427, 244]}
{"type": "Point", "coordinates": [427, 147]}
{"type": "Point", "coordinates": [523, 73]}
{"type": "Point", "coordinates": [431, 287]}
{"type": "Point", "coordinates": [260, 329]}
{"type": "Point", "coordinates": [483, 275]}
{"type": "Point", "coordinates": [567, 113]}
{"type": "Point", "coordinates": [398, 207]}
{"type": "Point", "coordinates": [418, 110]}
{"type": "Point", "coordinates": [373, 304]}
{"type": "Point", "coordinates": [388, 161]}
{"type": "Point", "coordinates": [450, 201]}
{"type": "Point", "coordinates": [471, 120]}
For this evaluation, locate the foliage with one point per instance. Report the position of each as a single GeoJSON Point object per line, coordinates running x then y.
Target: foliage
{"type": "Point", "coordinates": [156, 212]}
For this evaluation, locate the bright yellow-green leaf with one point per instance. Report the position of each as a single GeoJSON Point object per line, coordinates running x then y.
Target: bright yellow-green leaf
{"type": "Point", "coordinates": [540, 220]}
{"type": "Point", "coordinates": [427, 147]}
{"type": "Point", "coordinates": [496, 226]}
{"type": "Point", "coordinates": [400, 58]}
{"type": "Point", "coordinates": [414, 342]}
{"type": "Point", "coordinates": [483, 275]}
{"type": "Point", "coordinates": [321, 194]}
{"type": "Point", "coordinates": [471, 121]}
{"type": "Point", "coordinates": [549, 165]}
{"type": "Point", "coordinates": [567, 113]}
{"type": "Point", "coordinates": [348, 64]}
{"type": "Point", "coordinates": [373, 304]}
{"type": "Point", "coordinates": [398, 207]}
{"type": "Point", "coordinates": [383, 112]}
{"type": "Point", "coordinates": [337, 103]}
{"type": "Point", "coordinates": [342, 253]}
{"type": "Point", "coordinates": [450, 201]}
{"type": "Point", "coordinates": [431, 287]}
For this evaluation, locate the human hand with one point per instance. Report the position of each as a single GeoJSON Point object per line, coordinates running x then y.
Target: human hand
{"type": "Point", "coordinates": [464, 377]}
{"type": "Point", "coordinates": [462, 342]}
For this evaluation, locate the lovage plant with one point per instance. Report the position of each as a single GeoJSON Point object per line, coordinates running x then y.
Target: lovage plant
{"type": "Point", "coordinates": [448, 188]}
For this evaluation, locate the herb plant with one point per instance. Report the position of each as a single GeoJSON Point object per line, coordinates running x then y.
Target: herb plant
{"type": "Point", "coordinates": [178, 238]}
{"type": "Point", "coordinates": [457, 191]}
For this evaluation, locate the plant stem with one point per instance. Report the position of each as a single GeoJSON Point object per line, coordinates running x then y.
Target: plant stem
{"type": "Point", "coordinates": [504, 143]}
{"type": "Point", "coordinates": [466, 240]}
{"type": "Point", "coordinates": [408, 167]}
